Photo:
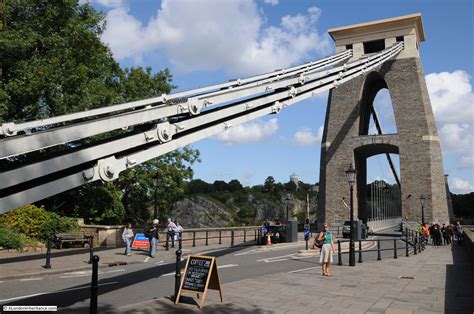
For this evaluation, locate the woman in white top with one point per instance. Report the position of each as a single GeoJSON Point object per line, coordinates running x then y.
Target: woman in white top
{"type": "Point", "coordinates": [127, 237]}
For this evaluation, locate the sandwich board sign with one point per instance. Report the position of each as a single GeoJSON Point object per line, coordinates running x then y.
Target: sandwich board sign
{"type": "Point", "coordinates": [200, 275]}
{"type": "Point", "coordinates": [141, 242]}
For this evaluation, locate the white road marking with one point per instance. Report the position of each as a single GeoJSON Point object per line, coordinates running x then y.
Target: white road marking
{"type": "Point", "coordinates": [74, 273]}
{"type": "Point", "coordinates": [74, 276]}
{"type": "Point", "coordinates": [172, 273]}
{"type": "Point", "coordinates": [245, 253]}
{"type": "Point", "coordinates": [295, 271]}
{"type": "Point", "coordinates": [114, 271]}
{"type": "Point", "coordinates": [146, 259]}
{"type": "Point", "coordinates": [160, 262]}
{"type": "Point", "coordinates": [275, 257]}
{"type": "Point", "coordinates": [66, 290]}
{"type": "Point", "coordinates": [228, 265]}
{"type": "Point", "coordinates": [277, 260]}
{"type": "Point", "coordinates": [30, 279]}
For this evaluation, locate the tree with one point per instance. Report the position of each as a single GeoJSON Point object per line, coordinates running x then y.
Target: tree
{"type": "Point", "coordinates": [220, 186]}
{"type": "Point", "coordinates": [269, 183]}
{"type": "Point", "coordinates": [53, 62]}
{"type": "Point", "coordinates": [198, 186]}
{"type": "Point", "coordinates": [235, 186]}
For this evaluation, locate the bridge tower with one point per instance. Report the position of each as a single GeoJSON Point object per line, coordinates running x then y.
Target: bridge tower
{"type": "Point", "coordinates": [346, 140]}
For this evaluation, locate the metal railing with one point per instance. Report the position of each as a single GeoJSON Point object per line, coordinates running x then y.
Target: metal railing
{"type": "Point", "coordinates": [413, 243]}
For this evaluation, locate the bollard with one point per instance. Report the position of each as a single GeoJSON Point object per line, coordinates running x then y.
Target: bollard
{"type": "Point", "coordinates": [177, 276]}
{"type": "Point", "coordinates": [245, 236]}
{"type": "Point", "coordinates": [339, 253]}
{"type": "Point", "coordinates": [232, 238]}
{"type": "Point", "coordinates": [306, 243]}
{"type": "Point", "coordinates": [395, 248]}
{"type": "Point", "coordinates": [194, 238]}
{"type": "Point", "coordinates": [207, 237]}
{"type": "Point", "coordinates": [407, 254]}
{"type": "Point", "coordinates": [167, 242]}
{"type": "Point", "coordinates": [94, 285]}
{"type": "Point", "coordinates": [419, 245]}
{"type": "Point", "coordinates": [48, 254]}
{"type": "Point", "coordinates": [414, 245]}
{"type": "Point", "coordinates": [406, 233]}
{"type": "Point", "coordinates": [220, 236]}
{"type": "Point", "coordinates": [360, 251]}
{"type": "Point", "coordinates": [91, 249]}
{"type": "Point", "coordinates": [379, 257]}
{"type": "Point", "coordinates": [255, 232]}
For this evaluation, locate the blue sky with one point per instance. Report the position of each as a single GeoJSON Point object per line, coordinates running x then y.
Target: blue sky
{"type": "Point", "coordinates": [205, 42]}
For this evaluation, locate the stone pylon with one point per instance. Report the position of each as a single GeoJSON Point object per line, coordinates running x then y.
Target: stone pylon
{"type": "Point", "coordinates": [346, 140]}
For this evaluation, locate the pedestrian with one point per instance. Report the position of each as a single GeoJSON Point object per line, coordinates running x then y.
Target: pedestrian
{"type": "Point", "coordinates": [444, 232]}
{"type": "Point", "coordinates": [153, 234]}
{"type": "Point", "coordinates": [327, 250]}
{"type": "Point", "coordinates": [171, 231]}
{"type": "Point", "coordinates": [449, 233]}
{"type": "Point", "coordinates": [179, 231]}
{"type": "Point", "coordinates": [458, 231]}
{"type": "Point", "coordinates": [127, 237]}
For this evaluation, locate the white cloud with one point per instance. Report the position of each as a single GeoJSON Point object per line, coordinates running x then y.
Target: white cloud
{"type": "Point", "coordinates": [272, 2]}
{"type": "Point", "coordinates": [460, 186]}
{"type": "Point", "coordinates": [217, 35]}
{"type": "Point", "coordinates": [452, 100]}
{"type": "Point", "coordinates": [306, 137]}
{"type": "Point", "coordinates": [252, 132]}
{"type": "Point", "coordinates": [451, 97]}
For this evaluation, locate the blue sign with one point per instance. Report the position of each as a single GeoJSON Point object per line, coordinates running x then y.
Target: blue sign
{"type": "Point", "coordinates": [306, 231]}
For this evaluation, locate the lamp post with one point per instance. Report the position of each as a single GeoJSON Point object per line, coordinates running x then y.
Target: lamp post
{"type": "Point", "coordinates": [157, 182]}
{"type": "Point", "coordinates": [422, 202]}
{"type": "Point", "coordinates": [287, 199]}
{"type": "Point", "coordinates": [351, 178]}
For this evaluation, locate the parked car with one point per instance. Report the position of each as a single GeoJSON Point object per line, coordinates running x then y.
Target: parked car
{"type": "Point", "coordinates": [346, 229]}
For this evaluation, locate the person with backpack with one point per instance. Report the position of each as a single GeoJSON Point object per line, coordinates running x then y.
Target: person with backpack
{"type": "Point", "coordinates": [327, 249]}
{"type": "Point", "coordinates": [153, 235]}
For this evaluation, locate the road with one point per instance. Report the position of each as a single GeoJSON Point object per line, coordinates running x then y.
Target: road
{"type": "Point", "coordinates": [125, 286]}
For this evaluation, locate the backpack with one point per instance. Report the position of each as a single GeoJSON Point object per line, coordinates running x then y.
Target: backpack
{"type": "Point", "coordinates": [319, 241]}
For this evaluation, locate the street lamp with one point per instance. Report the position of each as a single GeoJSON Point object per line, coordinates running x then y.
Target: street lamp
{"type": "Point", "coordinates": [351, 178]}
{"type": "Point", "coordinates": [422, 202]}
{"type": "Point", "coordinates": [157, 183]}
{"type": "Point", "coordinates": [287, 199]}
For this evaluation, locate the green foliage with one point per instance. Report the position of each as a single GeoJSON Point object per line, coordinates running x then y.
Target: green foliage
{"type": "Point", "coordinates": [10, 239]}
{"type": "Point", "coordinates": [463, 204]}
{"type": "Point", "coordinates": [36, 222]}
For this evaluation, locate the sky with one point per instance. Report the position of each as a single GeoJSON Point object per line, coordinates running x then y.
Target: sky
{"type": "Point", "coordinates": [205, 42]}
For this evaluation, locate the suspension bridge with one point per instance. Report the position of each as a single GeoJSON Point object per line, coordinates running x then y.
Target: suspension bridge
{"type": "Point", "coordinates": [49, 156]}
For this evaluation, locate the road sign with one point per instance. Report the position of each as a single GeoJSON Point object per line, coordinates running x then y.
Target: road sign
{"type": "Point", "coordinates": [141, 242]}
{"type": "Point", "coordinates": [200, 274]}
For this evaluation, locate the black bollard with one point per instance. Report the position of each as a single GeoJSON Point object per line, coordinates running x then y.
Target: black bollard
{"type": "Point", "coordinates": [339, 253]}
{"type": "Point", "coordinates": [395, 248]}
{"type": "Point", "coordinates": [414, 245]}
{"type": "Point", "coordinates": [94, 285]}
{"type": "Point", "coordinates": [91, 249]}
{"type": "Point", "coordinates": [207, 237]}
{"type": "Point", "coordinates": [360, 251]}
{"type": "Point", "coordinates": [407, 253]}
{"type": "Point", "coordinates": [167, 242]}
{"type": "Point", "coordinates": [245, 236]}
{"type": "Point", "coordinates": [220, 236]}
{"type": "Point", "coordinates": [379, 257]}
{"type": "Point", "coordinates": [177, 280]}
{"type": "Point", "coordinates": [306, 243]}
{"type": "Point", "coordinates": [48, 254]}
{"type": "Point", "coordinates": [232, 238]}
{"type": "Point", "coordinates": [194, 238]}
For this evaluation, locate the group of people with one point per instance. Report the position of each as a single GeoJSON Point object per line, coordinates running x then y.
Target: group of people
{"type": "Point", "coordinates": [152, 232]}
{"type": "Point", "coordinates": [441, 234]}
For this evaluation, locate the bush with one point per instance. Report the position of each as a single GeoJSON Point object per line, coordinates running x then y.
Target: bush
{"type": "Point", "coordinates": [36, 222]}
{"type": "Point", "coordinates": [10, 239]}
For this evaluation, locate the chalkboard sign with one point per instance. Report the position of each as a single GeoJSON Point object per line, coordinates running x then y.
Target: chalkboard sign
{"type": "Point", "coordinates": [200, 275]}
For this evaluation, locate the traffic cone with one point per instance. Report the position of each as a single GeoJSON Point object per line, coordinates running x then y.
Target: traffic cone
{"type": "Point", "coordinates": [269, 240]}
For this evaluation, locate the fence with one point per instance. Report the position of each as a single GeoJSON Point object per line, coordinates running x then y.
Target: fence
{"type": "Point", "coordinates": [411, 238]}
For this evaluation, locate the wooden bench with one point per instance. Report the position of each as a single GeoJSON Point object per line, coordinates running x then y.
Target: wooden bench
{"type": "Point", "coordinates": [72, 238]}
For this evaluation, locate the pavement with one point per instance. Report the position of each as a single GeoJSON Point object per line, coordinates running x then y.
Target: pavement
{"type": "Point", "coordinates": [439, 280]}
